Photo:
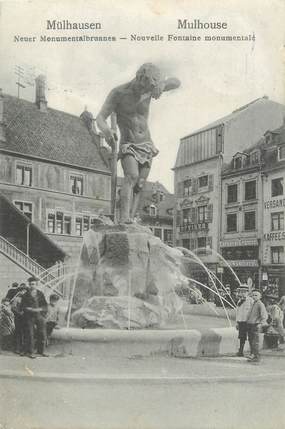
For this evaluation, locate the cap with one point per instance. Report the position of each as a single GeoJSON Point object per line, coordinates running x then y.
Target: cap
{"type": "Point", "coordinates": [32, 279]}
{"type": "Point", "coordinates": [243, 287]}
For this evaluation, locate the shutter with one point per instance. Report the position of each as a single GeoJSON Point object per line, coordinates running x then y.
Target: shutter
{"type": "Point", "coordinates": [210, 213]}
{"type": "Point", "coordinates": [209, 242]}
{"type": "Point", "coordinates": [211, 182]}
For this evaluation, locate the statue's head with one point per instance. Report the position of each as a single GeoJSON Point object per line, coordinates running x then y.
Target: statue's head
{"type": "Point", "coordinates": [148, 76]}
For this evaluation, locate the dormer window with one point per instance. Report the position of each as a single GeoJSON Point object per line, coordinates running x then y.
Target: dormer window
{"type": "Point", "coordinates": [238, 162]}
{"type": "Point", "coordinates": [254, 157]}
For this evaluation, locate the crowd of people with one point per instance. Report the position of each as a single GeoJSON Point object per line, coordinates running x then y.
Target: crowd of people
{"type": "Point", "coordinates": [27, 319]}
{"type": "Point", "coordinates": [257, 314]}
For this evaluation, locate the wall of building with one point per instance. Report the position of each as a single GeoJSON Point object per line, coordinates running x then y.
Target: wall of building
{"type": "Point", "coordinates": [208, 196]}
{"type": "Point", "coordinates": [10, 272]}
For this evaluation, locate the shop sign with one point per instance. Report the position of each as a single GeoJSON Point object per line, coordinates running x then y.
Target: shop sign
{"type": "Point", "coordinates": [243, 263]}
{"type": "Point", "coordinates": [237, 243]}
{"type": "Point", "coordinates": [271, 236]}
{"type": "Point", "coordinates": [274, 204]}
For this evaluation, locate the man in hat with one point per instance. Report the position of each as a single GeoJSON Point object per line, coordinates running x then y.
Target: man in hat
{"type": "Point", "coordinates": [257, 318]}
{"type": "Point", "coordinates": [34, 307]}
{"type": "Point", "coordinates": [244, 305]}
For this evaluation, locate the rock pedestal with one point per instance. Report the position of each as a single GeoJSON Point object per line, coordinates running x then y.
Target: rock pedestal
{"type": "Point", "coordinates": [127, 279]}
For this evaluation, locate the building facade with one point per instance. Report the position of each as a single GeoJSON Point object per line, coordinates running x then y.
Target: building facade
{"type": "Point", "coordinates": [52, 169]}
{"type": "Point", "coordinates": [198, 172]}
{"type": "Point", "coordinates": [273, 211]}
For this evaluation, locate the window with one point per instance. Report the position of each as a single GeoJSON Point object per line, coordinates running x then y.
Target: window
{"type": "Point", "coordinates": [157, 232]}
{"type": "Point", "coordinates": [232, 193]}
{"type": "Point", "coordinates": [186, 216]}
{"type": "Point", "coordinates": [277, 187]}
{"type": "Point", "coordinates": [277, 221]}
{"type": "Point", "coordinates": [277, 255]}
{"type": "Point", "coordinates": [202, 214]}
{"type": "Point", "coordinates": [86, 223]}
{"type": "Point", "coordinates": [76, 185]}
{"type": "Point", "coordinates": [281, 153]}
{"type": "Point", "coordinates": [67, 225]}
{"type": "Point", "coordinates": [232, 222]}
{"type": "Point", "coordinates": [187, 187]}
{"type": "Point", "coordinates": [152, 210]}
{"type": "Point", "coordinates": [249, 221]}
{"type": "Point", "coordinates": [201, 243]}
{"type": "Point", "coordinates": [238, 162]}
{"type": "Point", "coordinates": [186, 243]}
{"type": "Point", "coordinates": [202, 182]}
{"type": "Point", "coordinates": [167, 235]}
{"type": "Point", "coordinates": [59, 223]}
{"type": "Point", "coordinates": [26, 208]}
{"type": "Point", "coordinates": [254, 157]}
{"type": "Point", "coordinates": [250, 190]}
{"type": "Point", "coordinates": [78, 225]}
{"type": "Point", "coordinates": [51, 223]}
{"type": "Point", "coordinates": [24, 175]}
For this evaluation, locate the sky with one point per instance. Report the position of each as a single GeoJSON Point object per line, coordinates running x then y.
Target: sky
{"type": "Point", "coordinates": [216, 77]}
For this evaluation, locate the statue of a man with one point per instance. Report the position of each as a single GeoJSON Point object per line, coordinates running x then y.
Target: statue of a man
{"type": "Point", "coordinates": [131, 103]}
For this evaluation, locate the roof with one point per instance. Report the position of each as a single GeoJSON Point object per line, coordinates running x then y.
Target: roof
{"type": "Point", "coordinates": [229, 117]}
{"type": "Point", "coordinates": [52, 135]}
{"type": "Point", "coordinates": [184, 153]}
{"type": "Point", "coordinates": [38, 238]}
{"type": "Point", "coordinates": [268, 150]}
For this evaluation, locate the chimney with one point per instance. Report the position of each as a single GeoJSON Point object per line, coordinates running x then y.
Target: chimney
{"type": "Point", "coordinates": [41, 101]}
{"type": "Point", "coordinates": [2, 126]}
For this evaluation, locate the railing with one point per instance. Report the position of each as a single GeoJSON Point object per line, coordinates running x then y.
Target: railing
{"type": "Point", "coordinates": [25, 262]}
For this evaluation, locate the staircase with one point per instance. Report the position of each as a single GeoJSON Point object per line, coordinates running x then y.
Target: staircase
{"type": "Point", "coordinates": [29, 265]}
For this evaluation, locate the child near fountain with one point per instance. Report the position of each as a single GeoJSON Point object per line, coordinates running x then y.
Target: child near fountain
{"type": "Point", "coordinates": [52, 316]}
{"type": "Point", "coordinates": [244, 306]}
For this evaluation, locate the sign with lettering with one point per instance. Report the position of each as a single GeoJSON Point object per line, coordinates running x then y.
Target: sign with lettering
{"type": "Point", "coordinates": [244, 263]}
{"type": "Point", "coordinates": [237, 243]}
{"type": "Point", "coordinates": [274, 204]}
{"type": "Point", "coordinates": [271, 236]}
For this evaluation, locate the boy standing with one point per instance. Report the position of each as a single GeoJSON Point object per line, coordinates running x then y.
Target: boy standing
{"type": "Point", "coordinates": [244, 306]}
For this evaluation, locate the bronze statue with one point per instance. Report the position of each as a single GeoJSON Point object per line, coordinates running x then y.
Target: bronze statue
{"type": "Point", "coordinates": [131, 103]}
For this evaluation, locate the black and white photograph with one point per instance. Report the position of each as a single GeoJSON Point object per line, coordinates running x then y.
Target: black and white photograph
{"type": "Point", "coordinates": [142, 201]}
